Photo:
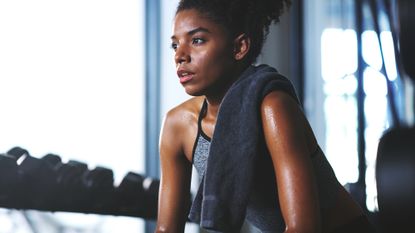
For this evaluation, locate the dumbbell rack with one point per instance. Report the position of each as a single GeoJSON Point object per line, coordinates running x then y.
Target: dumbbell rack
{"type": "Point", "coordinates": [48, 184]}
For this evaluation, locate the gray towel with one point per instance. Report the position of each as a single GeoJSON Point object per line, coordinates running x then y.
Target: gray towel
{"type": "Point", "coordinates": [221, 201]}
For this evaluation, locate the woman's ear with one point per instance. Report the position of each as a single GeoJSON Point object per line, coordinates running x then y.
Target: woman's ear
{"type": "Point", "coordinates": [242, 44]}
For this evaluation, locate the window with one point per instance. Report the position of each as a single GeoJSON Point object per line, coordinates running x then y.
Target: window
{"type": "Point", "coordinates": [71, 80]}
{"type": "Point", "coordinates": [334, 32]}
{"type": "Point", "coordinates": [339, 63]}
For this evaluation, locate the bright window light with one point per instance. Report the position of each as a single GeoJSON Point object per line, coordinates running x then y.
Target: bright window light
{"type": "Point", "coordinates": [339, 63]}
{"type": "Point", "coordinates": [371, 49]}
{"type": "Point", "coordinates": [341, 137]}
{"type": "Point", "coordinates": [374, 82]}
{"type": "Point", "coordinates": [389, 54]}
{"type": "Point", "coordinates": [338, 53]}
{"type": "Point", "coordinates": [72, 83]}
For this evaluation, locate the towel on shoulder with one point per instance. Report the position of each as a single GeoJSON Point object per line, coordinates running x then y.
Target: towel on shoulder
{"type": "Point", "coordinates": [221, 201]}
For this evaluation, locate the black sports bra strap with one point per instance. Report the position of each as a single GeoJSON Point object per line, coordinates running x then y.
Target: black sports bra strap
{"type": "Point", "coordinates": [202, 114]}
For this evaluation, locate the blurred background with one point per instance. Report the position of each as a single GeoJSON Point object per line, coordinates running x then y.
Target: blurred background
{"type": "Point", "coordinates": [91, 81]}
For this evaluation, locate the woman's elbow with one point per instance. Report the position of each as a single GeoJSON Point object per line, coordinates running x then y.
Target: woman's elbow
{"type": "Point", "coordinates": [164, 229]}
{"type": "Point", "coordinates": [314, 228]}
{"type": "Point", "coordinates": [161, 230]}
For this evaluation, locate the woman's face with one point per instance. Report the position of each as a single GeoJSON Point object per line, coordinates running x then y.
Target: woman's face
{"type": "Point", "coordinates": [203, 54]}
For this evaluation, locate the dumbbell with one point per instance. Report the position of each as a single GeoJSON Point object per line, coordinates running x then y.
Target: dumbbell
{"type": "Point", "coordinates": [99, 185]}
{"type": "Point", "coordinates": [38, 186]}
{"type": "Point", "coordinates": [81, 189]}
{"type": "Point", "coordinates": [9, 181]}
{"type": "Point", "coordinates": [17, 152]}
{"type": "Point", "coordinates": [151, 190]}
{"type": "Point", "coordinates": [52, 159]}
{"type": "Point", "coordinates": [137, 196]}
{"type": "Point", "coordinates": [71, 191]}
{"type": "Point", "coordinates": [130, 194]}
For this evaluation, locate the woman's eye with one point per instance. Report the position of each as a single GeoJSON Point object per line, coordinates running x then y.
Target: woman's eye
{"type": "Point", "coordinates": [198, 41]}
{"type": "Point", "coordinates": [173, 45]}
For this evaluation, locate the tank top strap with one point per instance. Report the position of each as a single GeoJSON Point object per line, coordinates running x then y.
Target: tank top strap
{"type": "Point", "coordinates": [202, 114]}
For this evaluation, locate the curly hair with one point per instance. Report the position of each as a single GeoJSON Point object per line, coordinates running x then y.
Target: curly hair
{"type": "Point", "coordinates": [252, 17]}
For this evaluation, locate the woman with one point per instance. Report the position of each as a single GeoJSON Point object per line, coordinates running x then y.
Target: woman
{"type": "Point", "coordinates": [244, 131]}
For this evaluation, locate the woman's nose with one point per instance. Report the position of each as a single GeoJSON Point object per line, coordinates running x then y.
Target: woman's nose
{"type": "Point", "coordinates": [182, 55]}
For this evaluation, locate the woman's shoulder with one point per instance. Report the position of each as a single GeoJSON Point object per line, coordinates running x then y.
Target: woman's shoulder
{"type": "Point", "coordinates": [185, 113]}
{"type": "Point", "coordinates": [179, 125]}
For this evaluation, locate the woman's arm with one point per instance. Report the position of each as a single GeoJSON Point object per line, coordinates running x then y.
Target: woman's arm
{"type": "Point", "coordinates": [291, 143]}
{"type": "Point", "coordinates": [174, 196]}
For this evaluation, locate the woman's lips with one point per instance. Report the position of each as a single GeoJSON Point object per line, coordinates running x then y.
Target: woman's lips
{"type": "Point", "coordinates": [185, 75]}
{"type": "Point", "coordinates": [185, 78]}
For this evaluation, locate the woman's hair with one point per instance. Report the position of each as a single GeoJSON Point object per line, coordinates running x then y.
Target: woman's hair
{"type": "Point", "coordinates": [251, 17]}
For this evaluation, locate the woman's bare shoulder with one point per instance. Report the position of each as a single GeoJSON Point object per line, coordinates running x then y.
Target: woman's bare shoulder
{"type": "Point", "coordinates": [179, 125]}
{"type": "Point", "coordinates": [186, 112]}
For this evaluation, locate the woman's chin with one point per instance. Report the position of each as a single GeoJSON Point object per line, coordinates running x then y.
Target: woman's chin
{"type": "Point", "coordinates": [193, 92]}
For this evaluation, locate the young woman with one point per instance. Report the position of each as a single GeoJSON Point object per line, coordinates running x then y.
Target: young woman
{"type": "Point", "coordinates": [244, 131]}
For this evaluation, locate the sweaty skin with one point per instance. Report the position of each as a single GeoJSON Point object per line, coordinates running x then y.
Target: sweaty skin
{"type": "Point", "coordinates": [291, 142]}
{"type": "Point", "coordinates": [208, 61]}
